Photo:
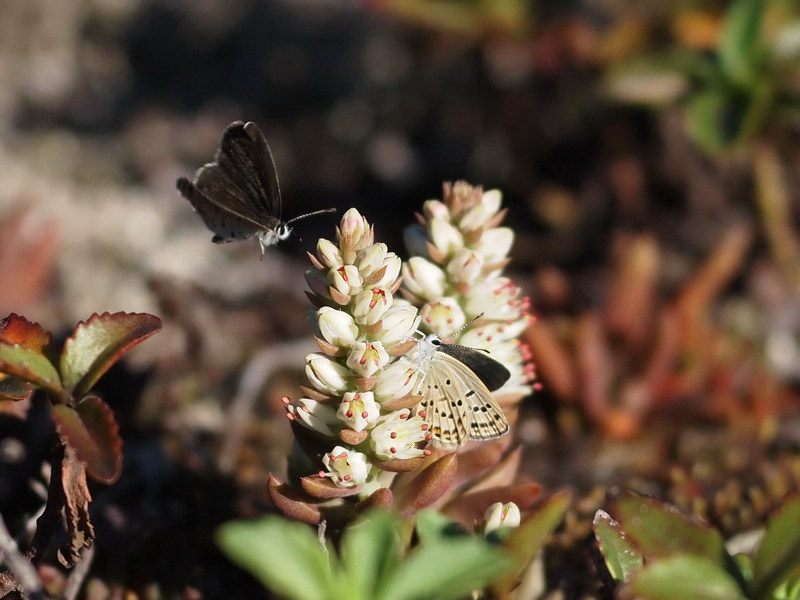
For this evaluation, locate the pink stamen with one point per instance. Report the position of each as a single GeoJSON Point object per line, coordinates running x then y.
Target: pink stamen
{"type": "Point", "coordinates": [393, 435]}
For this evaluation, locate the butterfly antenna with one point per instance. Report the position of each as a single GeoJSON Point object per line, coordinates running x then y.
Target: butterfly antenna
{"type": "Point", "coordinates": [311, 214]}
{"type": "Point", "coordinates": [463, 327]}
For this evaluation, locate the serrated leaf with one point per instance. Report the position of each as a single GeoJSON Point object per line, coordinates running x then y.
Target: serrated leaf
{"type": "Point", "coordinates": [778, 557]}
{"type": "Point", "coordinates": [682, 577]}
{"type": "Point", "coordinates": [18, 330]}
{"type": "Point", "coordinates": [370, 550]}
{"type": "Point", "coordinates": [13, 388]}
{"type": "Point", "coordinates": [622, 558]}
{"type": "Point", "coordinates": [525, 541]}
{"type": "Point", "coordinates": [659, 529]}
{"type": "Point", "coordinates": [98, 343]}
{"type": "Point", "coordinates": [446, 569]}
{"type": "Point", "coordinates": [32, 366]}
{"type": "Point", "coordinates": [739, 53]}
{"type": "Point", "coordinates": [285, 556]}
{"type": "Point", "coordinates": [91, 430]}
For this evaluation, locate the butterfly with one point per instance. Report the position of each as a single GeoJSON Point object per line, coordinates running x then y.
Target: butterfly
{"type": "Point", "coordinates": [457, 388]}
{"type": "Point", "coordinates": [237, 195]}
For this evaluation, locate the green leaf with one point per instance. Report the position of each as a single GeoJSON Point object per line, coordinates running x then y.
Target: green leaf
{"type": "Point", "coordinates": [713, 120]}
{"type": "Point", "coordinates": [682, 577]}
{"type": "Point", "coordinates": [370, 550]}
{"type": "Point", "coordinates": [91, 430]}
{"type": "Point", "coordinates": [285, 556]}
{"type": "Point", "coordinates": [432, 525]}
{"type": "Point", "coordinates": [30, 365]}
{"type": "Point", "coordinates": [659, 529]}
{"type": "Point", "coordinates": [778, 557]}
{"type": "Point", "coordinates": [98, 343]}
{"type": "Point", "coordinates": [525, 541]}
{"type": "Point", "coordinates": [739, 52]}
{"type": "Point", "coordinates": [446, 569]}
{"type": "Point", "coordinates": [622, 558]}
{"type": "Point", "coordinates": [13, 388]}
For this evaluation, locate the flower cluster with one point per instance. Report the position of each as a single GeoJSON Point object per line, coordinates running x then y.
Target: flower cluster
{"type": "Point", "coordinates": [456, 276]}
{"type": "Point", "coordinates": [362, 384]}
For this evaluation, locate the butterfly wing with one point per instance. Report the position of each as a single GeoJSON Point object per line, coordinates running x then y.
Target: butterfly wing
{"type": "Point", "coordinates": [457, 404]}
{"type": "Point", "coordinates": [237, 196]}
{"type": "Point", "coordinates": [492, 373]}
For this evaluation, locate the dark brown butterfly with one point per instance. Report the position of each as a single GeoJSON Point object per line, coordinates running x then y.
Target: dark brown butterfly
{"type": "Point", "coordinates": [237, 195]}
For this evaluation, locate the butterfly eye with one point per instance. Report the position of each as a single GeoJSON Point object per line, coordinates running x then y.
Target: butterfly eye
{"type": "Point", "coordinates": [436, 342]}
{"type": "Point", "coordinates": [283, 231]}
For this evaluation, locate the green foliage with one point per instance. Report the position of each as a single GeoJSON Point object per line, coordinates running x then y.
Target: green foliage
{"type": "Point", "coordinates": [656, 552]}
{"type": "Point", "coordinates": [290, 559]}
{"type": "Point", "coordinates": [732, 97]}
{"type": "Point", "coordinates": [84, 422]}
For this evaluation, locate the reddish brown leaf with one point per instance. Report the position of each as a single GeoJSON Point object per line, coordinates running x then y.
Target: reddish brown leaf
{"type": "Point", "coordinates": [90, 429]}
{"type": "Point", "coordinates": [76, 508]}
{"type": "Point", "coordinates": [287, 500]}
{"type": "Point", "coordinates": [18, 330]}
{"type": "Point", "coordinates": [98, 343]}
{"type": "Point", "coordinates": [320, 487]}
{"type": "Point", "coordinates": [380, 498]}
{"type": "Point", "coordinates": [428, 486]}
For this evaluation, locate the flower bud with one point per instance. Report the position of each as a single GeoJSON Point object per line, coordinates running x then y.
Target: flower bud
{"type": "Point", "coordinates": [354, 234]}
{"type": "Point", "coordinates": [367, 357]}
{"type": "Point", "coordinates": [399, 322]}
{"type": "Point", "coordinates": [435, 209]}
{"type": "Point", "coordinates": [445, 236]}
{"type": "Point", "coordinates": [329, 254]}
{"type": "Point", "coordinates": [325, 374]}
{"type": "Point", "coordinates": [358, 410]}
{"type": "Point", "coordinates": [465, 266]}
{"type": "Point", "coordinates": [392, 262]}
{"type": "Point", "coordinates": [337, 327]}
{"type": "Point", "coordinates": [495, 244]}
{"type": "Point", "coordinates": [501, 515]}
{"type": "Point", "coordinates": [370, 305]}
{"type": "Point", "coordinates": [423, 278]}
{"type": "Point", "coordinates": [474, 218]}
{"type": "Point", "coordinates": [346, 468]}
{"type": "Point", "coordinates": [370, 259]}
{"type": "Point", "coordinates": [491, 201]}
{"type": "Point", "coordinates": [316, 415]}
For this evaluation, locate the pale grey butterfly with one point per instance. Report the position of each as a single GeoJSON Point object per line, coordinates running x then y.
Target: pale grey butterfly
{"type": "Point", "coordinates": [237, 195]}
{"type": "Point", "coordinates": [456, 387]}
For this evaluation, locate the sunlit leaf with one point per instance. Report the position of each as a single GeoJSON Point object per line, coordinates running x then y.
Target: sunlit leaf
{"type": "Point", "coordinates": [98, 343]}
{"type": "Point", "coordinates": [778, 557]}
{"type": "Point", "coordinates": [682, 577]}
{"type": "Point", "coordinates": [18, 330]}
{"type": "Point", "coordinates": [622, 558]}
{"type": "Point", "coordinates": [370, 551]}
{"type": "Point", "coordinates": [286, 556]}
{"type": "Point", "coordinates": [30, 365]}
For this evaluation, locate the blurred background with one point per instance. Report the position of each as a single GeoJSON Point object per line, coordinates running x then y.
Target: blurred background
{"type": "Point", "coordinates": [647, 152]}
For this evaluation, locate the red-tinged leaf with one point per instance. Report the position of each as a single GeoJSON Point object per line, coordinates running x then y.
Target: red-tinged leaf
{"type": "Point", "coordinates": [76, 507]}
{"type": "Point", "coordinates": [659, 529]}
{"type": "Point", "coordinates": [622, 558]}
{"type": "Point", "coordinates": [90, 429]}
{"type": "Point", "coordinates": [98, 343]}
{"type": "Point", "coordinates": [525, 542]}
{"type": "Point", "coordinates": [291, 503]}
{"type": "Point", "coordinates": [13, 388]}
{"type": "Point", "coordinates": [682, 577]}
{"type": "Point", "coordinates": [18, 330]}
{"type": "Point", "coordinates": [320, 487]}
{"type": "Point", "coordinates": [428, 486]}
{"type": "Point", "coordinates": [471, 507]}
{"type": "Point", "coordinates": [381, 498]}
{"type": "Point", "coordinates": [32, 366]}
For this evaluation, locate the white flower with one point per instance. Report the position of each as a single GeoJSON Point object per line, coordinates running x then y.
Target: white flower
{"type": "Point", "coordinates": [346, 468]}
{"type": "Point", "coordinates": [474, 218]}
{"type": "Point", "coordinates": [346, 279]}
{"type": "Point", "coordinates": [370, 259]}
{"type": "Point", "coordinates": [367, 357]}
{"type": "Point", "coordinates": [444, 236]}
{"type": "Point", "coordinates": [358, 410]}
{"type": "Point", "coordinates": [435, 208]}
{"type": "Point", "coordinates": [326, 375]}
{"type": "Point", "coordinates": [491, 200]}
{"type": "Point", "coordinates": [353, 234]}
{"type": "Point", "coordinates": [495, 244]}
{"type": "Point", "coordinates": [396, 380]}
{"type": "Point", "coordinates": [399, 322]}
{"type": "Point", "coordinates": [337, 327]}
{"type": "Point", "coordinates": [465, 266]}
{"type": "Point", "coordinates": [501, 515]}
{"type": "Point", "coordinates": [315, 415]}
{"type": "Point", "coordinates": [496, 299]}
{"type": "Point", "coordinates": [329, 254]}
{"type": "Point", "coordinates": [397, 435]}
{"type": "Point", "coordinates": [370, 305]}
{"type": "Point", "coordinates": [392, 262]}
{"type": "Point", "coordinates": [423, 278]}
{"type": "Point", "coordinates": [443, 316]}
